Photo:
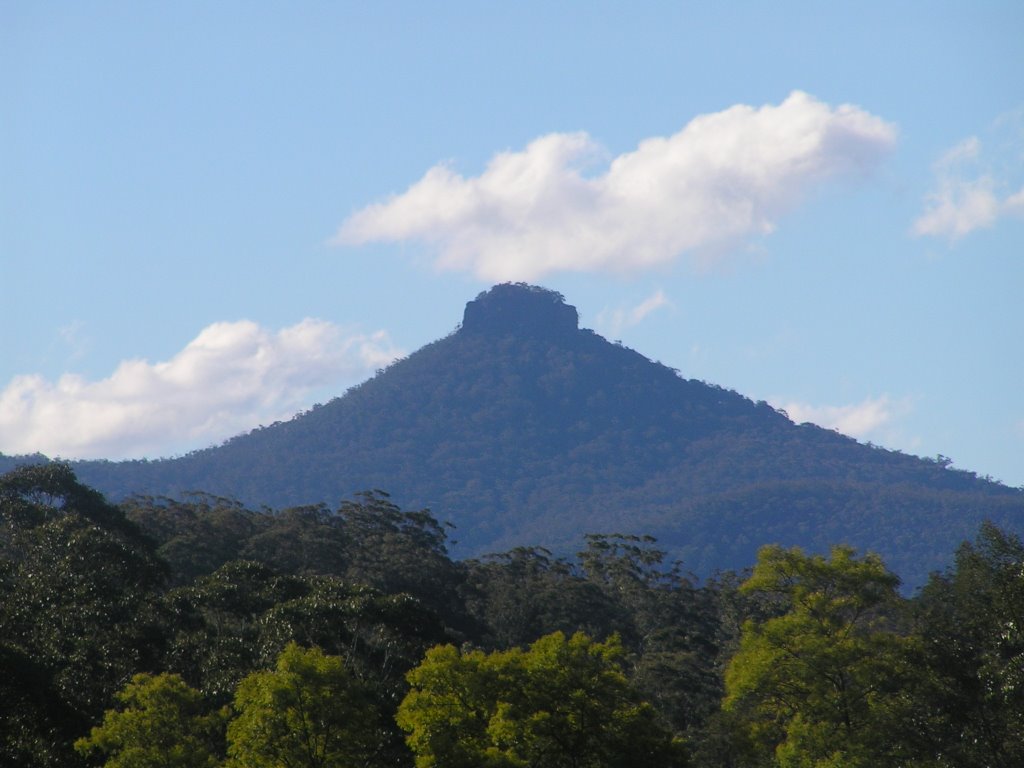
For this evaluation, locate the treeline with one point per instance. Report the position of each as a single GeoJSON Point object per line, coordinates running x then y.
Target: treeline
{"type": "Point", "coordinates": [199, 632]}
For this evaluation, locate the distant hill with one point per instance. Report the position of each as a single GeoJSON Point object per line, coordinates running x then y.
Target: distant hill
{"type": "Point", "coordinates": [522, 428]}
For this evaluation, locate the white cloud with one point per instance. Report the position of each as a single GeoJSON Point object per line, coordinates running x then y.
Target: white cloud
{"type": "Point", "coordinates": [612, 322]}
{"type": "Point", "coordinates": [859, 420]}
{"type": "Point", "coordinates": [959, 207]}
{"type": "Point", "coordinates": [231, 377]}
{"type": "Point", "coordinates": [722, 179]}
{"type": "Point", "coordinates": [965, 199]}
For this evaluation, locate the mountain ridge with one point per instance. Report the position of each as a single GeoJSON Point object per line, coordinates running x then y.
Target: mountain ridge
{"type": "Point", "coordinates": [524, 429]}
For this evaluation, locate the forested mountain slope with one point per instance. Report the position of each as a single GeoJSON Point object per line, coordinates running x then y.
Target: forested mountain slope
{"type": "Point", "coordinates": [522, 428]}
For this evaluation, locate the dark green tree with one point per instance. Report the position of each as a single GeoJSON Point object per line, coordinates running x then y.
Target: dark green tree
{"type": "Point", "coordinates": [308, 540]}
{"type": "Point", "coordinates": [527, 592]}
{"type": "Point", "coordinates": [396, 550]}
{"type": "Point", "coordinates": [35, 726]}
{"type": "Point", "coordinates": [197, 533]}
{"type": "Point", "coordinates": [669, 626]}
{"type": "Point", "coordinates": [78, 582]}
{"type": "Point", "coordinates": [216, 635]}
{"type": "Point", "coordinates": [380, 636]}
{"type": "Point", "coordinates": [971, 620]}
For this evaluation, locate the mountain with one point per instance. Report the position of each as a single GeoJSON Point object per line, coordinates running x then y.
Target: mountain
{"type": "Point", "coordinates": [523, 429]}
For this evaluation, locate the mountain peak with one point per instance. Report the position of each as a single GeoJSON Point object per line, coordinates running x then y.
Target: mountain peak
{"type": "Point", "coordinates": [520, 309]}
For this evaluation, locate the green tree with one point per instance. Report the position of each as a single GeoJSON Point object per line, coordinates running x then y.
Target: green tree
{"type": "Point", "coordinates": [162, 724]}
{"type": "Point", "coordinates": [828, 682]}
{"type": "Point", "coordinates": [308, 712]}
{"type": "Point", "coordinates": [562, 703]}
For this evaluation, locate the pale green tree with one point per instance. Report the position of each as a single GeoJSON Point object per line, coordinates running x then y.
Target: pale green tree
{"type": "Point", "coordinates": [447, 712]}
{"type": "Point", "coordinates": [161, 724]}
{"type": "Point", "coordinates": [562, 703]}
{"type": "Point", "coordinates": [307, 712]}
{"type": "Point", "coordinates": [829, 682]}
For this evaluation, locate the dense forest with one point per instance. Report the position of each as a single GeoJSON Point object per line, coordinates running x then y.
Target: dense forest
{"type": "Point", "coordinates": [523, 429]}
{"type": "Point", "coordinates": [198, 631]}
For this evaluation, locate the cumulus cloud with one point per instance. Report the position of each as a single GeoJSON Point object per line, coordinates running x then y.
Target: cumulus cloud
{"type": "Point", "coordinates": [964, 198]}
{"type": "Point", "coordinates": [231, 377]}
{"type": "Point", "coordinates": [725, 177]}
{"type": "Point", "coordinates": [614, 321]}
{"type": "Point", "coordinates": [858, 420]}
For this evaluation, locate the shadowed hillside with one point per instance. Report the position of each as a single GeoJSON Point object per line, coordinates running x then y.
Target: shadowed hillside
{"type": "Point", "coordinates": [521, 428]}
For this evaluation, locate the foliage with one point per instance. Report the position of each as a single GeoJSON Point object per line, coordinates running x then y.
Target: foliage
{"type": "Point", "coordinates": [162, 724]}
{"type": "Point", "coordinates": [618, 585]}
{"type": "Point", "coordinates": [216, 634]}
{"type": "Point", "coordinates": [381, 636]}
{"type": "Point", "coordinates": [308, 711]}
{"type": "Point", "coordinates": [562, 702]}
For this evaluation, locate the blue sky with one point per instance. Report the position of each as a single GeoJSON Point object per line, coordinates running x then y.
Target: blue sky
{"type": "Point", "coordinates": [213, 215]}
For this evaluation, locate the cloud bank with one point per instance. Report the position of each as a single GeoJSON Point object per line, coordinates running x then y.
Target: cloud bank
{"type": "Point", "coordinates": [964, 199]}
{"type": "Point", "coordinates": [231, 377]}
{"type": "Point", "coordinates": [725, 177]}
